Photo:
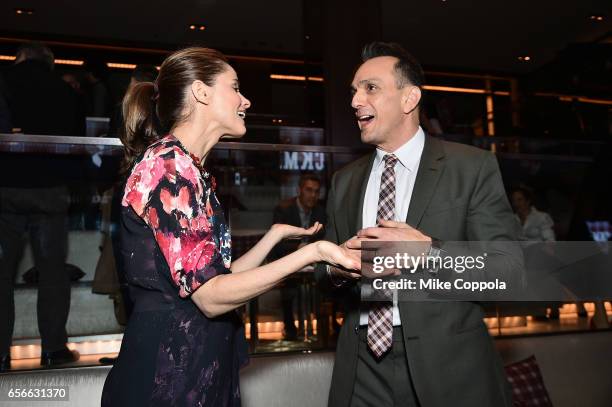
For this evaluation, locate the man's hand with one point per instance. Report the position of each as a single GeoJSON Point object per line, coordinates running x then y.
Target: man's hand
{"type": "Point", "coordinates": [392, 231]}
{"type": "Point", "coordinates": [388, 231]}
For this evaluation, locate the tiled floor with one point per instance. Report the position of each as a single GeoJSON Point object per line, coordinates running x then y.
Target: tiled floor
{"type": "Point", "coordinates": [34, 363]}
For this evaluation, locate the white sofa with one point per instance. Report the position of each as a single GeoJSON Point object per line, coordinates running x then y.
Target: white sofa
{"type": "Point", "coordinates": [576, 369]}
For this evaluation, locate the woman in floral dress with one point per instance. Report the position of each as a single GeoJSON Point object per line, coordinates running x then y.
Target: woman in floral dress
{"type": "Point", "coordinates": [184, 343]}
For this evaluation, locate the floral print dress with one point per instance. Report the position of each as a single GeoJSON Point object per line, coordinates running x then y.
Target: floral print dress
{"type": "Point", "coordinates": [173, 240]}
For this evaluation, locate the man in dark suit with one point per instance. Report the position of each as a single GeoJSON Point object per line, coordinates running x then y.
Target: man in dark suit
{"type": "Point", "coordinates": [40, 102]}
{"type": "Point", "coordinates": [34, 199]}
{"type": "Point", "coordinates": [413, 188]}
{"type": "Point", "coordinates": [302, 210]}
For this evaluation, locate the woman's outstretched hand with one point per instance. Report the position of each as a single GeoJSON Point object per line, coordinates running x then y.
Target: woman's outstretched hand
{"type": "Point", "coordinates": [284, 231]}
{"type": "Point", "coordinates": [340, 256]}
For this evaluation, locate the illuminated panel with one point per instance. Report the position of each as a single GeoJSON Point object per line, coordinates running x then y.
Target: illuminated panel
{"type": "Point", "coordinates": [296, 77]}
{"type": "Point", "coordinates": [569, 98]}
{"type": "Point", "coordinates": [453, 89]}
{"type": "Point", "coordinates": [75, 62]}
{"type": "Point", "coordinates": [118, 65]}
{"type": "Point", "coordinates": [69, 62]}
{"type": "Point", "coordinates": [490, 116]}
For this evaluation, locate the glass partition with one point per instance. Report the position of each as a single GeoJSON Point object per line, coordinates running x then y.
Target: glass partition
{"type": "Point", "coordinates": [253, 179]}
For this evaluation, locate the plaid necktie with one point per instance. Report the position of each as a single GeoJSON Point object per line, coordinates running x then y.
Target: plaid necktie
{"type": "Point", "coordinates": [380, 316]}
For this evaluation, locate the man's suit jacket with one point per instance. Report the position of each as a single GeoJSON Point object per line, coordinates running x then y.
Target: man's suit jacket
{"type": "Point", "coordinates": [288, 212]}
{"type": "Point", "coordinates": [40, 102]}
{"type": "Point", "coordinates": [458, 196]}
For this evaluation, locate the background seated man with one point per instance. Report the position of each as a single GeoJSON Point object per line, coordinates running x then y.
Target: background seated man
{"type": "Point", "coordinates": [302, 210]}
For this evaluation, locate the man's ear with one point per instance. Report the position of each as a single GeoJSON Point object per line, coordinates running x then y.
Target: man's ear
{"type": "Point", "coordinates": [201, 92]}
{"type": "Point", "coordinates": [410, 98]}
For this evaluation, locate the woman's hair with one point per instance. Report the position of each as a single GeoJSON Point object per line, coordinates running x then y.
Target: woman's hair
{"type": "Point", "coordinates": [152, 109]}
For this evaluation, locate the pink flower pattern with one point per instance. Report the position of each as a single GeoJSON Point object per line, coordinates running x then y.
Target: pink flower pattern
{"type": "Point", "coordinates": [175, 197]}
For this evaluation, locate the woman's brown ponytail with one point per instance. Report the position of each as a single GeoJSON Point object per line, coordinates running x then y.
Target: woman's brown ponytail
{"type": "Point", "coordinates": [139, 112]}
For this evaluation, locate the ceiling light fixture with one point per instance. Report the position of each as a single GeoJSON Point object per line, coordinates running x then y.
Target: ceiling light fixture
{"type": "Point", "coordinates": [296, 77]}
{"type": "Point", "coordinates": [119, 65]}
{"type": "Point", "coordinates": [198, 27]}
{"type": "Point", "coordinates": [524, 58]}
{"type": "Point", "coordinates": [24, 11]}
{"type": "Point", "coordinates": [74, 62]}
{"type": "Point", "coordinates": [596, 17]}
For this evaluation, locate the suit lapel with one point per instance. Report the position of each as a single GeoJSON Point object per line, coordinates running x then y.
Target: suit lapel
{"type": "Point", "coordinates": [428, 174]}
{"type": "Point", "coordinates": [358, 185]}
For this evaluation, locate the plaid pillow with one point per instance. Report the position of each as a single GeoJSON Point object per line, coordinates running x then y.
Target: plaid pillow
{"type": "Point", "coordinates": [527, 384]}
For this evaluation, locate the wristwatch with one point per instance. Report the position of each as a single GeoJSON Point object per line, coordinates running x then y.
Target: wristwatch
{"type": "Point", "coordinates": [435, 251]}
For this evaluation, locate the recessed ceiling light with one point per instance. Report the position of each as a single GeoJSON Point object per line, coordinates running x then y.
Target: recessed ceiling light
{"type": "Point", "coordinates": [198, 27]}
{"type": "Point", "coordinates": [524, 58]}
{"type": "Point", "coordinates": [24, 11]}
{"type": "Point", "coordinates": [596, 17]}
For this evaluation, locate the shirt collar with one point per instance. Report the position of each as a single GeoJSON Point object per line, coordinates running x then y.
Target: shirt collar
{"type": "Point", "coordinates": [408, 155]}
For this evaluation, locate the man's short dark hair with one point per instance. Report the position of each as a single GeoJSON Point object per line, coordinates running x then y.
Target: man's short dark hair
{"type": "Point", "coordinates": [36, 51]}
{"type": "Point", "coordinates": [525, 191]}
{"type": "Point", "coordinates": [407, 69]}
{"type": "Point", "coordinates": [144, 73]}
{"type": "Point", "coordinates": [308, 177]}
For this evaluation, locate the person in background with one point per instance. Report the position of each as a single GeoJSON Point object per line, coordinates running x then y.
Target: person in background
{"type": "Point", "coordinates": [75, 83]}
{"type": "Point", "coordinates": [100, 101]}
{"type": "Point", "coordinates": [110, 276]}
{"type": "Point", "coordinates": [537, 226]}
{"type": "Point", "coordinates": [142, 73]}
{"type": "Point", "coordinates": [72, 80]}
{"type": "Point", "coordinates": [5, 115]}
{"type": "Point", "coordinates": [40, 102]}
{"type": "Point", "coordinates": [34, 200]}
{"type": "Point", "coordinates": [304, 211]}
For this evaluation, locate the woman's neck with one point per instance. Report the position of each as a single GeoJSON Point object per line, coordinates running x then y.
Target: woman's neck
{"type": "Point", "coordinates": [197, 138]}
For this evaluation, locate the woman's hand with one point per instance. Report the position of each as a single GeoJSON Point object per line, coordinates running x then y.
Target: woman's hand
{"type": "Point", "coordinates": [341, 256]}
{"type": "Point", "coordinates": [284, 231]}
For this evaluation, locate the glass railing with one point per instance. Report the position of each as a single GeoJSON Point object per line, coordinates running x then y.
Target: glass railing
{"type": "Point", "coordinates": [252, 179]}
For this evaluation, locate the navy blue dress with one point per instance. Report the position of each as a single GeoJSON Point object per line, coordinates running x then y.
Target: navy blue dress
{"type": "Point", "coordinates": [174, 239]}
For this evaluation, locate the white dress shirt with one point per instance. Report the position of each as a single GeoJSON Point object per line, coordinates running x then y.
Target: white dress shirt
{"type": "Point", "coordinates": [409, 157]}
{"type": "Point", "coordinates": [538, 227]}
